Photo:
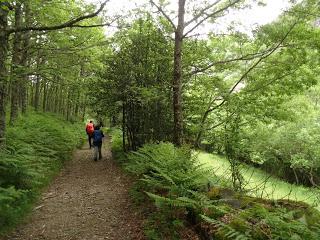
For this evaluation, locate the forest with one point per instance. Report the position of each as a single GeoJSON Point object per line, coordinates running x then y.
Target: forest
{"type": "Point", "coordinates": [218, 127]}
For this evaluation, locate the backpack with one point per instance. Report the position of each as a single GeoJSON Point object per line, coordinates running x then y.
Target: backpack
{"type": "Point", "coordinates": [97, 136]}
{"type": "Point", "coordinates": [90, 128]}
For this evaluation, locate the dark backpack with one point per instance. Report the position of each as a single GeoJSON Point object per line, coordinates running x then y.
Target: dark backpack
{"type": "Point", "coordinates": [97, 136]}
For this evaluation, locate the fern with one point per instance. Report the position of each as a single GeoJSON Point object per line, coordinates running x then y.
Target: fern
{"type": "Point", "coordinates": [174, 181]}
{"type": "Point", "coordinates": [226, 230]}
{"type": "Point", "coordinates": [36, 147]}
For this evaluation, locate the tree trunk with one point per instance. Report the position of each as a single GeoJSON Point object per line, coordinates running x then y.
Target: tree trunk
{"type": "Point", "coordinates": [199, 135]}
{"type": "Point", "coordinates": [77, 104]}
{"type": "Point", "coordinates": [24, 60]}
{"type": "Point", "coordinates": [311, 179]}
{"type": "Point", "coordinates": [31, 94]}
{"type": "Point", "coordinates": [68, 105]}
{"type": "Point", "coordinates": [40, 61]}
{"type": "Point", "coordinates": [55, 96]}
{"type": "Point", "coordinates": [124, 127]}
{"type": "Point", "coordinates": [37, 94]}
{"type": "Point", "coordinates": [3, 70]}
{"type": "Point", "coordinates": [296, 176]}
{"type": "Point", "coordinates": [16, 68]}
{"type": "Point", "coordinates": [177, 77]}
{"type": "Point", "coordinates": [45, 93]}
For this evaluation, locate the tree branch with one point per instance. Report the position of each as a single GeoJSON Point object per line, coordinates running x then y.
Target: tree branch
{"type": "Point", "coordinates": [164, 14]}
{"type": "Point", "coordinates": [247, 57]}
{"type": "Point", "coordinates": [210, 16]}
{"type": "Point", "coordinates": [202, 12]}
{"type": "Point", "coordinates": [252, 67]}
{"type": "Point", "coordinates": [273, 80]}
{"type": "Point", "coordinates": [70, 23]}
{"type": "Point", "coordinates": [262, 58]}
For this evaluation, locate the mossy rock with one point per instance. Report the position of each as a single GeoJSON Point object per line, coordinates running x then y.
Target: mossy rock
{"type": "Point", "coordinates": [214, 193]}
{"type": "Point", "coordinates": [220, 192]}
{"type": "Point", "coordinates": [289, 204]}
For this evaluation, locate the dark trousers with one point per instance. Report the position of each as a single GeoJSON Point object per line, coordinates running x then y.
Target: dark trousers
{"type": "Point", "coordinates": [90, 140]}
{"type": "Point", "coordinates": [97, 151]}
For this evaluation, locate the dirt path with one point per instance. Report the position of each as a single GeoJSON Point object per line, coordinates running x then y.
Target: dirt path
{"type": "Point", "coordinates": [88, 200]}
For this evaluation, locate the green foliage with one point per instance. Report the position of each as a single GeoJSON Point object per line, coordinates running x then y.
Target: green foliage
{"type": "Point", "coordinates": [12, 203]}
{"type": "Point", "coordinates": [117, 145]}
{"type": "Point", "coordinates": [226, 231]}
{"type": "Point", "coordinates": [171, 178]}
{"type": "Point", "coordinates": [163, 167]}
{"type": "Point", "coordinates": [288, 149]}
{"type": "Point", "coordinates": [281, 222]}
{"type": "Point", "coordinates": [135, 85]}
{"type": "Point", "coordinates": [36, 147]}
{"type": "Point", "coordinates": [266, 221]}
{"type": "Point", "coordinates": [174, 181]}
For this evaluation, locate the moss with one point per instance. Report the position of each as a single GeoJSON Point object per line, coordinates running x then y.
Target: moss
{"type": "Point", "coordinates": [220, 192]}
{"type": "Point", "coordinates": [214, 193]}
{"type": "Point", "coordinates": [239, 225]}
{"type": "Point", "coordinates": [246, 201]}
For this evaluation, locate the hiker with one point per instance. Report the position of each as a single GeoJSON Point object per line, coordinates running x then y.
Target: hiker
{"type": "Point", "coordinates": [90, 130]}
{"type": "Point", "coordinates": [97, 142]}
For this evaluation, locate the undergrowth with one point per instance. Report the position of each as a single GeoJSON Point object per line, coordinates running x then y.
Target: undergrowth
{"type": "Point", "coordinates": [36, 147]}
{"type": "Point", "coordinates": [185, 205]}
{"type": "Point", "coordinates": [116, 145]}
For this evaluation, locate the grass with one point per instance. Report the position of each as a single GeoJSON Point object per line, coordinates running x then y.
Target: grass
{"type": "Point", "coordinates": [258, 183]}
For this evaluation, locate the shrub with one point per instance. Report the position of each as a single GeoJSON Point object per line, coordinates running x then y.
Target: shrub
{"type": "Point", "coordinates": [167, 169]}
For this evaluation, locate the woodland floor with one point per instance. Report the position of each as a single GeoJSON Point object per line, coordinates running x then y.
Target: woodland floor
{"type": "Point", "coordinates": [87, 200]}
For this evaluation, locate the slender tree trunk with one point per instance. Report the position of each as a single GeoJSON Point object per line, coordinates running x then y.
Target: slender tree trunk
{"type": "Point", "coordinates": [124, 127]}
{"type": "Point", "coordinates": [56, 99]}
{"type": "Point", "coordinates": [37, 94]}
{"type": "Point", "coordinates": [24, 60]}
{"type": "Point", "coordinates": [84, 106]}
{"type": "Point", "coordinates": [16, 68]}
{"type": "Point", "coordinates": [199, 135]}
{"type": "Point", "coordinates": [3, 71]}
{"type": "Point", "coordinates": [77, 102]}
{"type": "Point", "coordinates": [311, 178]}
{"type": "Point", "coordinates": [177, 77]}
{"type": "Point", "coordinates": [49, 101]}
{"type": "Point", "coordinates": [31, 94]}
{"type": "Point", "coordinates": [45, 95]}
{"type": "Point", "coordinates": [38, 83]}
{"type": "Point", "coordinates": [296, 176]}
{"type": "Point", "coordinates": [61, 100]}
{"type": "Point", "coordinates": [68, 106]}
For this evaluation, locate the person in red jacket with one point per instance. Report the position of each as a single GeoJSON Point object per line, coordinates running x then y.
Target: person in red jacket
{"type": "Point", "coordinates": [89, 131]}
